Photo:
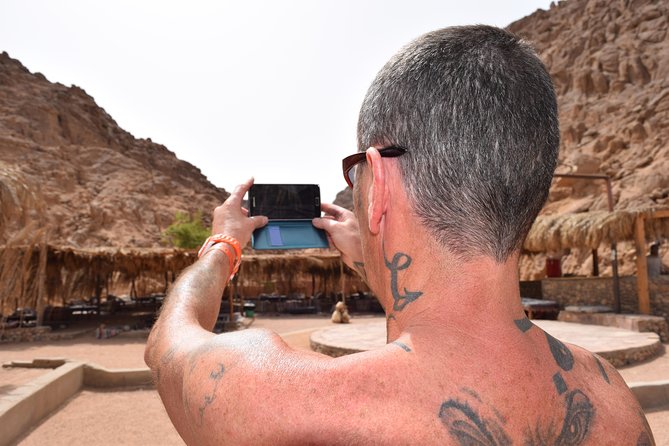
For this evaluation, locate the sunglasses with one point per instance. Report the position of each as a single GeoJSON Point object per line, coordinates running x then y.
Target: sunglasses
{"type": "Point", "coordinates": [348, 163]}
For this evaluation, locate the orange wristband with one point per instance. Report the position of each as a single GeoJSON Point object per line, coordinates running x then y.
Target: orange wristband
{"type": "Point", "coordinates": [224, 242]}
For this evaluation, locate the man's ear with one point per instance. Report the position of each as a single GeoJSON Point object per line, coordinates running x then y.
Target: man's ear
{"type": "Point", "coordinates": [378, 197]}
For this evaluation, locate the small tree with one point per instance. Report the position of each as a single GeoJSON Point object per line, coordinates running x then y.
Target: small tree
{"type": "Point", "coordinates": [186, 232]}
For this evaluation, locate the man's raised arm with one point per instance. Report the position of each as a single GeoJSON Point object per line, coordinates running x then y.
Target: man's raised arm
{"type": "Point", "coordinates": [192, 305]}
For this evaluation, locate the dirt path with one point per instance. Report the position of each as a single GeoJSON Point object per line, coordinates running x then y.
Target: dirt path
{"type": "Point", "coordinates": [138, 417]}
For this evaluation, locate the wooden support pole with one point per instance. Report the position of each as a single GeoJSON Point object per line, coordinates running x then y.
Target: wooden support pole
{"type": "Point", "coordinates": [342, 279]}
{"type": "Point", "coordinates": [41, 284]}
{"type": "Point", "coordinates": [641, 265]}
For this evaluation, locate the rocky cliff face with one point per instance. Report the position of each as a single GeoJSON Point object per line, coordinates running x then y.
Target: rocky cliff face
{"type": "Point", "coordinates": [66, 161]}
{"type": "Point", "coordinates": [609, 60]}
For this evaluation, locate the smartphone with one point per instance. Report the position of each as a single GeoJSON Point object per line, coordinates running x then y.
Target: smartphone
{"type": "Point", "coordinates": [290, 209]}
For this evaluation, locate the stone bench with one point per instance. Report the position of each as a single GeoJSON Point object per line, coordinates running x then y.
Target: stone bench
{"type": "Point", "coordinates": [598, 315]}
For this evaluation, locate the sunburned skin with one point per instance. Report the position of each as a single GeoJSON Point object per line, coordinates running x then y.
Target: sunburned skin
{"type": "Point", "coordinates": [218, 377]}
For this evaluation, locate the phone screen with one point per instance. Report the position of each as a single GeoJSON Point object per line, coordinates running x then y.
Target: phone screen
{"type": "Point", "coordinates": [285, 201]}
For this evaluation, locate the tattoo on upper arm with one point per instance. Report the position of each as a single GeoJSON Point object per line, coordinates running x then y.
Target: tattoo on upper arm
{"type": "Point", "coordinates": [403, 346]}
{"type": "Point", "coordinates": [644, 440]}
{"type": "Point", "coordinates": [400, 261]}
{"type": "Point", "coordinates": [165, 361]}
{"type": "Point", "coordinates": [209, 397]}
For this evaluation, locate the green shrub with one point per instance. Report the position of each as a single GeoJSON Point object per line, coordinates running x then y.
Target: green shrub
{"type": "Point", "coordinates": [186, 232]}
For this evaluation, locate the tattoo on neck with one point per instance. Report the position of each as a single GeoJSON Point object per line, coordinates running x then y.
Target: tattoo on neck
{"type": "Point", "coordinates": [400, 261]}
{"type": "Point", "coordinates": [360, 268]}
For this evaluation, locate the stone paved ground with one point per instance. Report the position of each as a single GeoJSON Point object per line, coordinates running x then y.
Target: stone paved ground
{"type": "Point", "coordinates": [138, 418]}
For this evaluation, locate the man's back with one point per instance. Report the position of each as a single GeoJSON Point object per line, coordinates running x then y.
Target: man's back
{"type": "Point", "coordinates": [415, 391]}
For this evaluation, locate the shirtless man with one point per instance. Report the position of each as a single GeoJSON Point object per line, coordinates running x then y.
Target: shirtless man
{"type": "Point", "coordinates": [458, 140]}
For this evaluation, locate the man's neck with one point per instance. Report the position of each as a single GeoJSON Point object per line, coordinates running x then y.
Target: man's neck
{"type": "Point", "coordinates": [427, 291]}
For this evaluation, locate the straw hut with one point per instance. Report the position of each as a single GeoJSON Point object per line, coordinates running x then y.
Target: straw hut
{"type": "Point", "coordinates": [37, 274]}
{"type": "Point", "coordinates": [592, 229]}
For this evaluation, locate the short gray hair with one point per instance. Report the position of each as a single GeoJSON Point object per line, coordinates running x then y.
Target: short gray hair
{"type": "Point", "coordinates": [476, 109]}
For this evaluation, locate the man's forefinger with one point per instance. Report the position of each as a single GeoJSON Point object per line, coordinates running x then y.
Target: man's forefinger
{"type": "Point", "coordinates": [332, 209]}
{"type": "Point", "coordinates": [237, 195]}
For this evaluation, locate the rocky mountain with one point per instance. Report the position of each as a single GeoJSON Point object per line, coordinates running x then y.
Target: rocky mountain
{"type": "Point", "coordinates": [609, 60]}
{"type": "Point", "coordinates": [65, 162]}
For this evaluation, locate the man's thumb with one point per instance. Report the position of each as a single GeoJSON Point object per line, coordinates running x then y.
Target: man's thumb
{"type": "Point", "coordinates": [259, 221]}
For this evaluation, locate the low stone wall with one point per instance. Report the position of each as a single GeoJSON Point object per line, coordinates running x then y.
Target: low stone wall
{"type": "Point", "coordinates": [31, 334]}
{"type": "Point", "coordinates": [634, 322]}
{"type": "Point", "coordinates": [599, 291]}
{"type": "Point", "coordinates": [27, 405]}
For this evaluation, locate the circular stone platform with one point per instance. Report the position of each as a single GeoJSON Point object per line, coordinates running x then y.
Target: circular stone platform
{"type": "Point", "coordinates": [617, 345]}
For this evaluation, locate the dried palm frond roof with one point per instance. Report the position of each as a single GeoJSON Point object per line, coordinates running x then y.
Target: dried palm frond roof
{"type": "Point", "coordinates": [591, 229]}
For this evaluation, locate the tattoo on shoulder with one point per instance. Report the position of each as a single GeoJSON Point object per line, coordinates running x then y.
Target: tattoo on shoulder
{"type": "Point", "coordinates": [644, 440]}
{"type": "Point", "coordinates": [560, 385]}
{"type": "Point", "coordinates": [561, 353]}
{"type": "Point", "coordinates": [580, 412]}
{"type": "Point", "coordinates": [400, 261]}
{"type": "Point", "coordinates": [523, 324]}
{"type": "Point", "coordinates": [403, 346]}
{"type": "Point", "coordinates": [601, 369]}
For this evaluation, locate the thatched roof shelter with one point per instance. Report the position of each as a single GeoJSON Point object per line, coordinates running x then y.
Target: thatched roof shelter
{"type": "Point", "coordinates": [47, 274]}
{"type": "Point", "coordinates": [592, 229]}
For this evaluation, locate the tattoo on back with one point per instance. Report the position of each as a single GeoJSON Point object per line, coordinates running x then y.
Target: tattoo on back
{"type": "Point", "coordinates": [400, 261]}
{"type": "Point", "coordinates": [467, 426]}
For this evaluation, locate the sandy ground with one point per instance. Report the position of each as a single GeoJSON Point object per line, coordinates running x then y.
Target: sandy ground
{"type": "Point", "coordinates": [137, 417]}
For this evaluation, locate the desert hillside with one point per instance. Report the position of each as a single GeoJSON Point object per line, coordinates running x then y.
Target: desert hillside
{"type": "Point", "coordinates": [65, 162]}
{"type": "Point", "coordinates": [609, 61]}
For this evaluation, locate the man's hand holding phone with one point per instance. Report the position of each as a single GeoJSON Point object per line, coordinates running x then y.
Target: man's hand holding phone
{"type": "Point", "coordinates": [343, 233]}
{"type": "Point", "coordinates": [232, 219]}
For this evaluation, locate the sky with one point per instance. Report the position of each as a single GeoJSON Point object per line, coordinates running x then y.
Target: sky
{"type": "Point", "coordinates": [269, 89]}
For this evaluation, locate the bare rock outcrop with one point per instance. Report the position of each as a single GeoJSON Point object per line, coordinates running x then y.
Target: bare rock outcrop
{"type": "Point", "coordinates": [96, 184]}
{"type": "Point", "coordinates": [609, 61]}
